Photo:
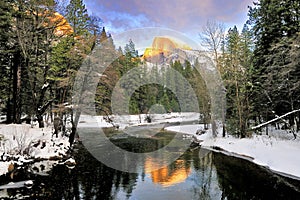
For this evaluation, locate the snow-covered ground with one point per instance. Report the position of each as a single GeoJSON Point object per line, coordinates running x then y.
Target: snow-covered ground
{"type": "Point", "coordinates": [21, 143]}
{"type": "Point", "coordinates": [123, 121]}
{"type": "Point", "coordinates": [277, 151]}
{"type": "Point", "coordinates": [4, 167]}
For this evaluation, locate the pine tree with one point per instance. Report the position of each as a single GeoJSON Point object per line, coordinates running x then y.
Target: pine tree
{"type": "Point", "coordinates": [29, 48]}
{"type": "Point", "coordinates": [70, 51]}
{"type": "Point", "coordinates": [5, 21]}
{"type": "Point", "coordinates": [103, 36]}
{"type": "Point", "coordinates": [5, 54]}
{"type": "Point", "coordinates": [94, 28]}
{"type": "Point", "coordinates": [275, 25]}
{"type": "Point", "coordinates": [77, 16]}
{"type": "Point", "coordinates": [111, 75]}
{"type": "Point", "coordinates": [237, 65]}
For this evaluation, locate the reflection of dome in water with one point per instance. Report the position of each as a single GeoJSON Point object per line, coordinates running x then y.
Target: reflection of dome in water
{"type": "Point", "coordinates": [169, 175]}
{"type": "Point", "coordinates": [163, 46]}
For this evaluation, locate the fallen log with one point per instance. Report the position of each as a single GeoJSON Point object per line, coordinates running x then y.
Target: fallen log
{"type": "Point", "coordinates": [274, 120]}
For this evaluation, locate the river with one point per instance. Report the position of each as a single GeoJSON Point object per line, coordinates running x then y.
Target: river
{"type": "Point", "coordinates": [196, 174]}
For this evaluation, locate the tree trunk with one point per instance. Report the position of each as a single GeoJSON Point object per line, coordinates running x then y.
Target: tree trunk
{"type": "Point", "coordinates": [298, 122]}
{"type": "Point", "coordinates": [40, 120]}
{"type": "Point", "coordinates": [214, 128]}
{"type": "Point", "coordinates": [74, 122]}
{"type": "Point", "coordinates": [9, 105]}
{"type": "Point", "coordinates": [41, 111]}
{"type": "Point", "coordinates": [17, 90]}
{"type": "Point", "coordinates": [223, 129]}
{"type": "Point", "coordinates": [8, 111]}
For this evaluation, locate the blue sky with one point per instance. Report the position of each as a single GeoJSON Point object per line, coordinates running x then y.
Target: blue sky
{"type": "Point", "coordinates": [185, 16]}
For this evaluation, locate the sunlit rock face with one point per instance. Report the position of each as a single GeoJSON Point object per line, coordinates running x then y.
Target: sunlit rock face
{"type": "Point", "coordinates": [51, 20]}
{"type": "Point", "coordinates": [61, 24]}
{"type": "Point", "coordinates": [162, 49]}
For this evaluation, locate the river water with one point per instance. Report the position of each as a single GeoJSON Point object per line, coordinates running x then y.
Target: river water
{"type": "Point", "coordinates": [196, 174]}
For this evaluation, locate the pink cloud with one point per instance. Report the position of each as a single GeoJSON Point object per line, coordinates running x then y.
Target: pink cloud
{"type": "Point", "coordinates": [180, 15]}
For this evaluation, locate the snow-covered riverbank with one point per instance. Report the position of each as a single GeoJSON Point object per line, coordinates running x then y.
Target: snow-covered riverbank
{"type": "Point", "coordinates": [123, 121]}
{"type": "Point", "coordinates": [277, 151]}
{"type": "Point", "coordinates": [21, 143]}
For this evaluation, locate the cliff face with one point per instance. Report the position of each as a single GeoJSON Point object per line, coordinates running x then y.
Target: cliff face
{"type": "Point", "coordinates": [162, 48]}
{"type": "Point", "coordinates": [62, 26]}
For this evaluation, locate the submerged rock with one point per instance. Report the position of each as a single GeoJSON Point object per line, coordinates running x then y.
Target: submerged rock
{"type": "Point", "coordinates": [70, 163]}
{"type": "Point", "coordinates": [28, 183]}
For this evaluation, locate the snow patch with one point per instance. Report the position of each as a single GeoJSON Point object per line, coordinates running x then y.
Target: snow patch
{"type": "Point", "coordinates": [25, 144]}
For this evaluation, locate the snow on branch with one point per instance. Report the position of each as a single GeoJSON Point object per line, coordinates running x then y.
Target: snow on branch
{"type": "Point", "coordinates": [274, 120]}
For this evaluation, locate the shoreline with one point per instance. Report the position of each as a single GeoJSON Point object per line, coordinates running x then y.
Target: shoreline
{"type": "Point", "coordinates": [261, 150]}
{"type": "Point", "coordinates": [250, 159]}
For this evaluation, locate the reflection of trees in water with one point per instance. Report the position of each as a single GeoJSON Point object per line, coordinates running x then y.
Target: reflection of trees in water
{"type": "Point", "coordinates": [90, 180]}
{"type": "Point", "coordinates": [101, 182]}
{"type": "Point", "coordinates": [242, 179]}
{"type": "Point", "coordinates": [204, 187]}
{"type": "Point", "coordinates": [205, 175]}
{"type": "Point", "coordinates": [215, 177]}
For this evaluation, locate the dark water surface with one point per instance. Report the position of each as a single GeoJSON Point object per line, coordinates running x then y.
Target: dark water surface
{"type": "Point", "coordinates": [197, 174]}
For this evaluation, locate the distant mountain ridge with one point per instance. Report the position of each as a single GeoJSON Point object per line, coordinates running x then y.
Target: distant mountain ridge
{"type": "Point", "coordinates": [162, 48]}
{"type": "Point", "coordinates": [166, 49]}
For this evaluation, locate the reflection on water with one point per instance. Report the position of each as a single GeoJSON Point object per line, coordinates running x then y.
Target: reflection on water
{"type": "Point", "coordinates": [175, 173]}
{"type": "Point", "coordinates": [129, 153]}
{"type": "Point", "coordinates": [197, 174]}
